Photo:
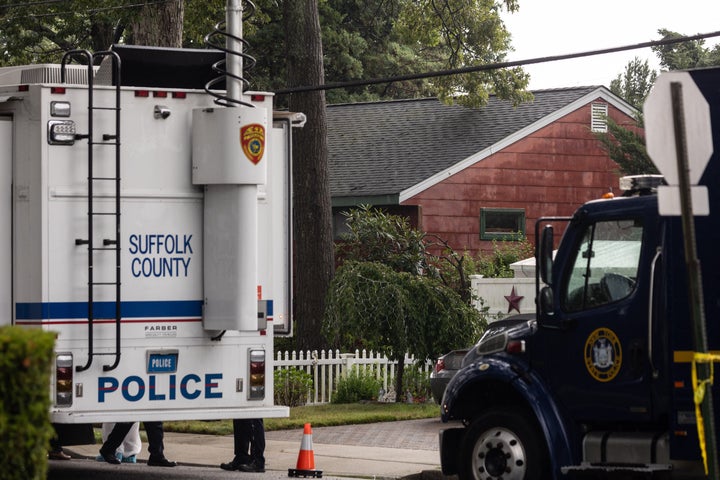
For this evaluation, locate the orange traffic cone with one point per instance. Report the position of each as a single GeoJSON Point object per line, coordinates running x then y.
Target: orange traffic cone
{"type": "Point", "coordinates": [306, 457]}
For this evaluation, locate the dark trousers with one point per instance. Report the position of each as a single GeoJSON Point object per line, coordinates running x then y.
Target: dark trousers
{"type": "Point", "coordinates": [55, 445]}
{"type": "Point", "coordinates": [154, 431]}
{"type": "Point", "coordinates": [249, 439]}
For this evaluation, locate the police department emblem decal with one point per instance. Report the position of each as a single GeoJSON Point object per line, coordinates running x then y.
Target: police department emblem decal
{"type": "Point", "coordinates": [252, 139]}
{"type": "Point", "coordinates": [603, 354]}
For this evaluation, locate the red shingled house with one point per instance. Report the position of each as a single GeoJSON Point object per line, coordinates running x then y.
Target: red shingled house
{"type": "Point", "coordinates": [474, 175]}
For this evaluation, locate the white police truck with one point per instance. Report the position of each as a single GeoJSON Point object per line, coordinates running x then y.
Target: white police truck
{"type": "Point", "coordinates": [149, 228]}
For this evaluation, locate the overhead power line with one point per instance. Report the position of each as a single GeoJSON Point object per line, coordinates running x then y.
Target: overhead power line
{"type": "Point", "coordinates": [494, 66]}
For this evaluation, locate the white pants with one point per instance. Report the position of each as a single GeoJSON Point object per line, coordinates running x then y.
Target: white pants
{"type": "Point", "coordinates": [131, 445]}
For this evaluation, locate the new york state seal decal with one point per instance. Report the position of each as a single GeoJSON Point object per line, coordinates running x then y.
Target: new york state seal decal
{"type": "Point", "coordinates": [603, 354]}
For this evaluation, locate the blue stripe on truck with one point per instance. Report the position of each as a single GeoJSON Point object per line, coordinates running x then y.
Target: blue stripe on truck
{"type": "Point", "coordinates": [69, 310]}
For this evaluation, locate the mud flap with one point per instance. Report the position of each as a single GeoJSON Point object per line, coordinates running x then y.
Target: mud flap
{"type": "Point", "coordinates": [449, 447]}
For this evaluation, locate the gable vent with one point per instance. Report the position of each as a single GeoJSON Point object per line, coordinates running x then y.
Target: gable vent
{"type": "Point", "coordinates": [598, 117]}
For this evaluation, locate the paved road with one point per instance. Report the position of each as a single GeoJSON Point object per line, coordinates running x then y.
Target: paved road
{"type": "Point", "coordinates": [386, 450]}
{"type": "Point", "coordinates": [413, 434]}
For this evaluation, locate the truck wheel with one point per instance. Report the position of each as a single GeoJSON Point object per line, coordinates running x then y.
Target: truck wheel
{"type": "Point", "coordinates": [503, 444]}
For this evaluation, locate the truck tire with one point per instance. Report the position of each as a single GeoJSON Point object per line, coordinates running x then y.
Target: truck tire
{"type": "Point", "coordinates": [505, 444]}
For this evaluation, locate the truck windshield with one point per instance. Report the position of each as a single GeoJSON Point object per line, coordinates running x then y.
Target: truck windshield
{"type": "Point", "coordinates": [605, 265]}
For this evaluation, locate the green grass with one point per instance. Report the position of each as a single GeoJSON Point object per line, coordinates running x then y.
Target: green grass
{"type": "Point", "coordinates": [325, 415]}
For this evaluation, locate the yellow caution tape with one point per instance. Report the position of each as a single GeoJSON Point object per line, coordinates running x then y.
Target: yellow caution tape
{"type": "Point", "coordinates": [699, 389]}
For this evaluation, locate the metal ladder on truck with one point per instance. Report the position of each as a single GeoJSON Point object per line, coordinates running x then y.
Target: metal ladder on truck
{"type": "Point", "coordinates": [109, 245]}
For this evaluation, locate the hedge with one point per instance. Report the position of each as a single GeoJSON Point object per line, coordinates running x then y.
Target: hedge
{"type": "Point", "coordinates": [25, 360]}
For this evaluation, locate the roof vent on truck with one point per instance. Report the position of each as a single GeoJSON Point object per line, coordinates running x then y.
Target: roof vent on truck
{"type": "Point", "coordinates": [633, 185]}
{"type": "Point", "coordinates": [44, 73]}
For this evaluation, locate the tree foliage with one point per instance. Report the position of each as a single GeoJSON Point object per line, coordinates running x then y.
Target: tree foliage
{"type": "Point", "coordinates": [362, 39]}
{"type": "Point", "coordinates": [375, 236]}
{"type": "Point", "coordinates": [460, 33]}
{"type": "Point", "coordinates": [376, 39]}
{"type": "Point", "coordinates": [40, 32]}
{"type": "Point", "coordinates": [681, 56]}
{"type": "Point", "coordinates": [371, 306]}
{"type": "Point", "coordinates": [634, 84]}
{"type": "Point", "coordinates": [625, 145]}
{"type": "Point", "coordinates": [386, 297]}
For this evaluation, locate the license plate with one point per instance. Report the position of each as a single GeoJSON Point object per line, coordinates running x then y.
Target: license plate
{"type": "Point", "coordinates": [162, 362]}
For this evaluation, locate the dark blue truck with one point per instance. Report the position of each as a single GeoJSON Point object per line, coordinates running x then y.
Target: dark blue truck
{"type": "Point", "coordinates": [597, 384]}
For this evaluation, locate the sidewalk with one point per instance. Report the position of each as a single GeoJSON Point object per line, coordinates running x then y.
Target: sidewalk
{"type": "Point", "coordinates": [387, 450]}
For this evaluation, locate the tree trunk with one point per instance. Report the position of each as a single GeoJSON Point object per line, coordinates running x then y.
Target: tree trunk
{"type": "Point", "coordinates": [314, 256]}
{"type": "Point", "coordinates": [159, 25]}
{"type": "Point", "coordinates": [101, 35]}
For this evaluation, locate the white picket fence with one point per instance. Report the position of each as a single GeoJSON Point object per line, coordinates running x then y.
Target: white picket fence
{"type": "Point", "coordinates": [327, 367]}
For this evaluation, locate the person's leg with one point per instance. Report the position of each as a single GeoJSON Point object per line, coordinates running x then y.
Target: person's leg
{"type": "Point", "coordinates": [257, 447]}
{"type": "Point", "coordinates": [131, 445]}
{"type": "Point", "coordinates": [113, 441]}
{"type": "Point", "coordinates": [56, 450]}
{"type": "Point", "coordinates": [155, 436]}
{"type": "Point", "coordinates": [242, 431]}
{"type": "Point", "coordinates": [156, 446]}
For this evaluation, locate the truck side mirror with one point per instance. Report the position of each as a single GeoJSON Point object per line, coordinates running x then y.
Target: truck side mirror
{"type": "Point", "coordinates": [545, 257]}
{"type": "Point", "coordinates": [545, 301]}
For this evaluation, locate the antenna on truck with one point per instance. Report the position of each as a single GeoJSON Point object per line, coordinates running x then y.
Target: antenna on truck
{"type": "Point", "coordinates": [231, 68]}
{"type": "Point", "coordinates": [230, 171]}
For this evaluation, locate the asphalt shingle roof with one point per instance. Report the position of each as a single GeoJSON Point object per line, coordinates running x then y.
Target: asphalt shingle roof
{"type": "Point", "coordinates": [383, 148]}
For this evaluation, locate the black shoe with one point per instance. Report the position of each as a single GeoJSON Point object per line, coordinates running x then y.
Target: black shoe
{"type": "Point", "coordinates": [235, 464]}
{"type": "Point", "coordinates": [162, 462]}
{"type": "Point", "coordinates": [110, 458]}
{"type": "Point", "coordinates": [251, 467]}
{"type": "Point", "coordinates": [230, 466]}
{"type": "Point", "coordinates": [58, 455]}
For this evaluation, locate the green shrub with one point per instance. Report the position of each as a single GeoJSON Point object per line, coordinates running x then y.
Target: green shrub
{"type": "Point", "coordinates": [355, 387]}
{"type": "Point", "coordinates": [292, 386]}
{"type": "Point", "coordinates": [505, 253]}
{"type": "Point", "coordinates": [417, 382]}
{"type": "Point", "coordinates": [25, 360]}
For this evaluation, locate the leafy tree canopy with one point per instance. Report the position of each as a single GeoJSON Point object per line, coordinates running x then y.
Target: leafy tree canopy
{"type": "Point", "coordinates": [374, 236]}
{"type": "Point", "coordinates": [626, 146]}
{"type": "Point", "coordinates": [384, 297]}
{"type": "Point", "coordinates": [362, 39]}
{"type": "Point", "coordinates": [40, 32]}
{"type": "Point", "coordinates": [635, 83]}
{"type": "Point", "coordinates": [373, 307]}
{"type": "Point", "coordinates": [681, 56]}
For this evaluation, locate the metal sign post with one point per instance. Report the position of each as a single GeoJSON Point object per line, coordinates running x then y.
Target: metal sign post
{"type": "Point", "coordinates": [694, 272]}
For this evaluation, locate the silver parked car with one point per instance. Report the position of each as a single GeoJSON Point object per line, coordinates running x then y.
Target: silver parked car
{"type": "Point", "coordinates": [445, 368]}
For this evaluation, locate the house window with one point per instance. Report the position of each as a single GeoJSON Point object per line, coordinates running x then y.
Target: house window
{"type": "Point", "coordinates": [502, 223]}
{"type": "Point", "coordinates": [340, 226]}
{"type": "Point", "coordinates": [598, 117]}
